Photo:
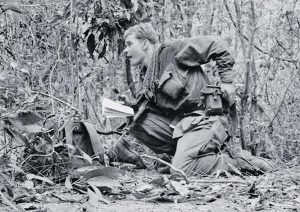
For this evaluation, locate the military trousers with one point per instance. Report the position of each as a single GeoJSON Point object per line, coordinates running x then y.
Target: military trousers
{"type": "Point", "coordinates": [196, 142]}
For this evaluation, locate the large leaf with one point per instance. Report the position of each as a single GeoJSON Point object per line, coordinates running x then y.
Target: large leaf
{"type": "Point", "coordinates": [26, 122]}
{"type": "Point", "coordinates": [104, 181]}
{"type": "Point", "coordinates": [17, 136]}
{"type": "Point", "coordinates": [111, 172]}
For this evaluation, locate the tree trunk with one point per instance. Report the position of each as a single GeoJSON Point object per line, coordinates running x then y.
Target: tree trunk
{"type": "Point", "coordinates": [247, 58]}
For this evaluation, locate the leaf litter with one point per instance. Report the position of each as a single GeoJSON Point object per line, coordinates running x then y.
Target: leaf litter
{"type": "Point", "coordinates": [40, 176]}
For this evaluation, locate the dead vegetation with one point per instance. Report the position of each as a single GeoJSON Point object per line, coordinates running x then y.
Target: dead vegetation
{"type": "Point", "coordinates": [58, 58]}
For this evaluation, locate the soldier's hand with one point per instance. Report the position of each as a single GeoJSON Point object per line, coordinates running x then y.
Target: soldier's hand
{"type": "Point", "coordinates": [228, 90]}
{"type": "Point", "coordinates": [125, 99]}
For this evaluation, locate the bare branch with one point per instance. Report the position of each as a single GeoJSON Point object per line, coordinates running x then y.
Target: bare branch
{"type": "Point", "coordinates": [168, 164]}
{"type": "Point", "coordinates": [247, 39]}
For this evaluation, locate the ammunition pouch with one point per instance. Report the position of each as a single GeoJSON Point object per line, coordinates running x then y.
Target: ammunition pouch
{"type": "Point", "coordinates": [212, 99]}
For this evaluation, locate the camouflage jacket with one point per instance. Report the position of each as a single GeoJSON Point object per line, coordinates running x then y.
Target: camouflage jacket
{"type": "Point", "coordinates": [180, 75]}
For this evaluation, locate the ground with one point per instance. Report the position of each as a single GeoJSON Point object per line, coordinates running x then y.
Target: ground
{"type": "Point", "coordinates": [144, 190]}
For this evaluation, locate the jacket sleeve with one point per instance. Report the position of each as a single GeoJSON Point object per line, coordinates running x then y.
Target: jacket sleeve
{"type": "Point", "coordinates": [200, 50]}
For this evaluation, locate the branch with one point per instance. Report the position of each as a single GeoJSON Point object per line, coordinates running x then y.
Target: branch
{"type": "Point", "coordinates": [288, 53]}
{"type": "Point", "coordinates": [57, 99]}
{"type": "Point", "coordinates": [247, 39]}
{"type": "Point", "coordinates": [93, 107]}
{"type": "Point", "coordinates": [288, 86]}
{"type": "Point", "coordinates": [283, 97]}
{"type": "Point", "coordinates": [168, 164]}
{"type": "Point", "coordinates": [8, 202]}
{"type": "Point", "coordinates": [4, 8]}
{"type": "Point", "coordinates": [219, 181]}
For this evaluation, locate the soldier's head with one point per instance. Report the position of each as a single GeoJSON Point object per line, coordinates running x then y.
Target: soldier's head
{"type": "Point", "coordinates": [142, 31]}
{"type": "Point", "coordinates": [139, 41]}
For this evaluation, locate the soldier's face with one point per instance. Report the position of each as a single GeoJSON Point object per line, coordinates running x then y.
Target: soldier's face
{"type": "Point", "coordinates": [135, 50]}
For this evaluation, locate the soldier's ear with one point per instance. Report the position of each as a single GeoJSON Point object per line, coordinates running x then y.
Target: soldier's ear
{"type": "Point", "coordinates": [146, 44]}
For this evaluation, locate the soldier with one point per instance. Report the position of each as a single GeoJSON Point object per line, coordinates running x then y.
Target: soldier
{"type": "Point", "coordinates": [179, 120]}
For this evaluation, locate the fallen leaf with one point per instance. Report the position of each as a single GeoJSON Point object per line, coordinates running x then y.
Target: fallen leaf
{"type": "Point", "coordinates": [293, 187]}
{"type": "Point", "coordinates": [29, 184]}
{"type": "Point", "coordinates": [14, 64]}
{"type": "Point", "coordinates": [25, 71]}
{"type": "Point", "coordinates": [30, 99]}
{"type": "Point", "coordinates": [111, 172]}
{"type": "Point", "coordinates": [180, 187]}
{"type": "Point", "coordinates": [103, 181]}
{"type": "Point", "coordinates": [95, 197]}
{"type": "Point", "coordinates": [33, 176]}
{"type": "Point", "coordinates": [68, 183]}
{"type": "Point", "coordinates": [144, 188]}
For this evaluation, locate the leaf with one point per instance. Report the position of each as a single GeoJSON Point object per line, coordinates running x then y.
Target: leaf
{"type": "Point", "coordinates": [24, 71]}
{"type": "Point", "coordinates": [144, 188]}
{"type": "Point", "coordinates": [111, 172]}
{"type": "Point", "coordinates": [27, 122]}
{"type": "Point", "coordinates": [66, 12]}
{"type": "Point", "coordinates": [103, 181]}
{"type": "Point", "coordinates": [30, 99]}
{"type": "Point", "coordinates": [29, 184]}
{"type": "Point", "coordinates": [18, 137]}
{"type": "Point", "coordinates": [101, 36]}
{"type": "Point", "coordinates": [127, 3]}
{"type": "Point", "coordinates": [95, 197]}
{"type": "Point", "coordinates": [135, 5]}
{"type": "Point", "coordinates": [91, 44]}
{"type": "Point", "coordinates": [70, 146]}
{"type": "Point", "coordinates": [80, 171]}
{"type": "Point", "coordinates": [14, 64]}
{"type": "Point", "coordinates": [180, 187]}
{"type": "Point", "coordinates": [68, 183]}
{"type": "Point", "coordinates": [3, 76]}
{"type": "Point", "coordinates": [234, 169]}
{"type": "Point", "coordinates": [103, 51]}
{"type": "Point", "coordinates": [16, 168]}
{"type": "Point", "coordinates": [45, 179]}
{"type": "Point", "coordinates": [254, 203]}
{"type": "Point", "coordinates": [84, 156]}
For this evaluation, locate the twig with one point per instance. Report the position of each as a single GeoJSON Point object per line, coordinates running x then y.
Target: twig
{"type": "Point", "coordinates": [247, 39]}
{"type": "Point", "coordinates": [288, 86]}
{"type": "Point", "coordinates": [4, 8]}
{"type": "Point", "coordinates": [288, 53]}
{"type": "Point", "coordinates": [218, 181]}
{"type": "Point", "coordinates": [8, 202]}
{"type": "Point", "coordinates": [57, 99]}
{"type": "Point", "coordinates": [50, 85]}
{"type": "Point", "coordinates": [93, 107]}
{"type": "Point", "coordinates": [36, 155]}
{"type": "Point", "coordinates": [168, 164]}
{"type": "Point", "coordinates": [283, 97]}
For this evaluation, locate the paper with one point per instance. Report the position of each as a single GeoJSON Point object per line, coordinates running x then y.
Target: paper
{"type": "Point", "coordinates": [114, 109]}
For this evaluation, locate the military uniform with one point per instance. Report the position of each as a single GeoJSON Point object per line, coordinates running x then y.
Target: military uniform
{"type": "Point", "coordinates": [176, 122]}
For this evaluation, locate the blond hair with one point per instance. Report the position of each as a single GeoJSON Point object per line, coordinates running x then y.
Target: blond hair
{"type": "Point", "coordinates": [142, 31]}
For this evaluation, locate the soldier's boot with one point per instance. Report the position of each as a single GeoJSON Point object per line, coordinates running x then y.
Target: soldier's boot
{"type": "Point", "coordinates": [246, 161]}
{"type": "Point", "coordinates": [121, 152]}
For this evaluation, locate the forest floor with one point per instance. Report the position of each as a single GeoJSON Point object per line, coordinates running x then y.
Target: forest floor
{"type": "Point", "coordinates": [143, 190]}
